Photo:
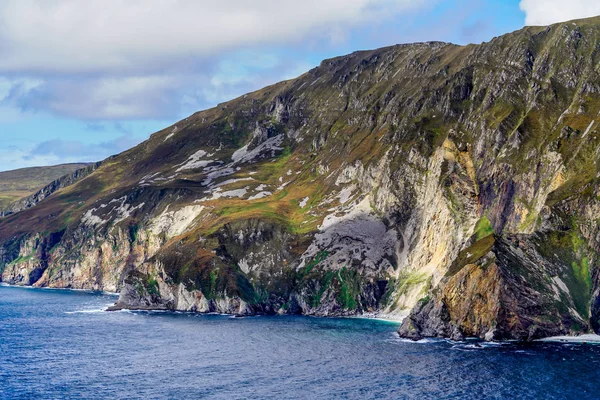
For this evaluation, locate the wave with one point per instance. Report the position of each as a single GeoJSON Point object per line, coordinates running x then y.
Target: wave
{"type": "Point", "coordinates": [91, 311]}
{"type": "Point", "coordinates": [586, 338]}
{"type": "Point", "coordinates": [391, 318]}
{"type": "Point", "coordinates": [397, 339]}
{"type": "Point", "coordinates": [106, 293]}
{"type": "Point", "coordinates": [473, 346]}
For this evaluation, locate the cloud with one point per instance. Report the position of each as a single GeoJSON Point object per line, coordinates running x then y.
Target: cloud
{"type": "Point", "coordinates": [127, 36]}
{"type": "Point", "coordinates": [67, 149]}
{"type": "Point", "coordinates": [161, 59]}
{"type": "Point", "coordinates": [546, 12]}
{"type": "Point", "coordinates": [100, 98]}
{"type": "Point", "coordinates": [166, 96]}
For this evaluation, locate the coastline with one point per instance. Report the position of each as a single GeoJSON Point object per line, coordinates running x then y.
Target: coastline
{"type": "Point", "coordinates": [390, 318]}
{"type": "Point", "coordinates": [590, 338]}
{"type": "Point", "coordinates": [51, 288]}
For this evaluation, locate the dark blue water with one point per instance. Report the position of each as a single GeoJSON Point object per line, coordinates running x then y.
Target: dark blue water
{"type": "Point", "coordinates": [58, 344]}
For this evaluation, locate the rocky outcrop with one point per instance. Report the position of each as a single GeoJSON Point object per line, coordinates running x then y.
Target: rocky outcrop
{"type": "Point", "coordinates": [454, 185]}
{"type": "Point", "coordinates": [150, 292]}
{"type": "Point", "coordinates": [506, 289]}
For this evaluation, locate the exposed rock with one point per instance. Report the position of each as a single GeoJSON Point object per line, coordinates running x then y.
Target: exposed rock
{"type": "Point", "coordinates": [506, 290]}
{"type": "Point", "coordinates": [459, 182]}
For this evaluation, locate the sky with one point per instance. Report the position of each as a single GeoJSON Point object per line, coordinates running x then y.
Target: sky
{"type": "Point", "coordinates": [83, 80]}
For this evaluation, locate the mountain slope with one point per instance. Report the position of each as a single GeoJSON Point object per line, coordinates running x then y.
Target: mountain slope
{"type": "Point", "coordinates": [18, 184]}
{"type": "Point", "coordinates": [459, 182]}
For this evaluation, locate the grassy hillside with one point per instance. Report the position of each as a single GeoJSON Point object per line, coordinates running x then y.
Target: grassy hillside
{"type": "Point", "coordinates": [20, 183]}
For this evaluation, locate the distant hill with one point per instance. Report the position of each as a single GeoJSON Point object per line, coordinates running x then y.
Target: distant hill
{"type": "Point", "coordinates": [20, 183]}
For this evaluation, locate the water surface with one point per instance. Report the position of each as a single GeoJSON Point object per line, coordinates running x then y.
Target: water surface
{"type": "Point", "coordinates": [60, 344]}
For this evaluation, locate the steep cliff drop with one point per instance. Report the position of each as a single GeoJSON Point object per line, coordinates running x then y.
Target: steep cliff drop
{"type": "Point", "coordinates": [454, 185]}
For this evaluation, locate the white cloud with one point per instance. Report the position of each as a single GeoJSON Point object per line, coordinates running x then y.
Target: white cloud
{"type": "Point", "coordinates": [132, 35]}
{"type": "Point", "coordinates": [105, 98]}
{"type": "Point", "coordinates": [546, 12]}
{"type": "Point", "coordinates": [137, 59]}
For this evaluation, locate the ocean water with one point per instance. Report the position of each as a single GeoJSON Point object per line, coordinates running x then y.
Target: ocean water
{"type": "Point", "coordinates": [59, 344]}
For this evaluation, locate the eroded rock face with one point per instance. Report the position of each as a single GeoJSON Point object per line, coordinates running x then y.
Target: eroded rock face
{"type": "Point", "coordinates": [150, 292]}
{"type": "Point", "coordinates": [456, 185]}
{"type": "Point", "coordinates": [506, 289]}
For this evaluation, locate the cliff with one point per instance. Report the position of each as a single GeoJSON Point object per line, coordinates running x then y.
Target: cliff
{"type": "Point", "coordinates": [454, 185]}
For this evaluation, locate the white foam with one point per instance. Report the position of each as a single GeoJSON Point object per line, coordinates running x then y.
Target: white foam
{"type": "Point", "coordinates": [395, 318]}
{"type": "Point", "coordinates": [586, 338]}
{"type": "Point", "coordinates": [421, 341]}
{"type": "Point", "coordinates": [92, 311]}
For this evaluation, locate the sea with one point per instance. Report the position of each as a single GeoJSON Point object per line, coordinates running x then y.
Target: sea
{"type": "Point", "coordinates": [63, 344]}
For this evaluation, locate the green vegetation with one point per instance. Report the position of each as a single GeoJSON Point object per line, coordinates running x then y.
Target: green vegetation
{"type": "Point", "coordinates": [483, 228]}
{"type": "Point", "coordinates": [581, 271]}
{"type": "Point", "coordinates": [152, 286]}
{"type": "Point", "coordinates": [211, 293]}
{"type": "Point", "coordinates": [133, 233]}
{"type": "Point", "coordinates": [572, 252]}
{"type": "Point", "coordinates": [407, 281]}
{"type": "Point", "coordinates": [353, 121]}
{"type": "Point", "coordinates": [321, 256]}
{"type": "Point", "coordinates": [21, 259]}
{"type": "Point", "coordinates": [20, 183]}
{"type": "Point", "coordinates": [471, 254]}
{"type": "Point", "coordinates": [349, 291]}
{"type": "Point", "coordinates": [320, 282]}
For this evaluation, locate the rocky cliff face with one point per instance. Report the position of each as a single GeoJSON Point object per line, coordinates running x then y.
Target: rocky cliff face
{"type": "Point", "coordinates": [457, 182]}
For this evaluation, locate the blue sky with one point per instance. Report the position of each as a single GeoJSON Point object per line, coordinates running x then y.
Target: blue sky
{"type": "Point", "coordinates": [82, 80]}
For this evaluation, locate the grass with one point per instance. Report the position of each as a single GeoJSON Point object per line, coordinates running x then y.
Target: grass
{"type": "Point", "coordinates": [282, 207]}
{"type": "Point", "coordinates": [571, 250]}
{"type": "Point", "coordinates": [9, 197]}
{"type": "Point", "coordinates": [349, 290]}
{"type": "Point", "coordinates": [152, 286]}
{"type": "Point", "coordinates": [325, 281]}
{"type": "Point", "coordinates": [349, 140]}
{"type": "Point", "coordinates": [321, 256]}
{"type": "Point", "coordinates": [20, 183]}
{"type": "Point", "coordinates": [410, 280]}
{"type": "Point", "coordinates": [471, 254]}
{"type": "Point", "coordinates": [31, 179]}
{"type": "Point", "coordinates": [345, 284]}
{"type": "Point", "coordinates": [483, 228]}
{"type": "Point", "coordinates": [21, 259]}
